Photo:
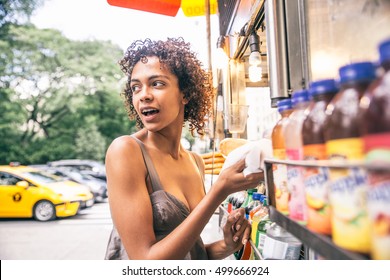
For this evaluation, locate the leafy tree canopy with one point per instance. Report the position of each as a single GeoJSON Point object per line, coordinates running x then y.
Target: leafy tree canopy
{"type": "Point", "coordinates": [16, 11]}
{"type": "Point", "coordinates": [52, 89]}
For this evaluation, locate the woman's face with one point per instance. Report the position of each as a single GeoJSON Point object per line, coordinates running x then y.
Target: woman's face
{"type": "Point", "coordinates": [156, 95]}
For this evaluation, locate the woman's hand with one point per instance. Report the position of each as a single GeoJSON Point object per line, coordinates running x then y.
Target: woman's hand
{"type": "Point", "coordinates": [236, 231]}
{"type": "Point", "coordinates": [232, 179]}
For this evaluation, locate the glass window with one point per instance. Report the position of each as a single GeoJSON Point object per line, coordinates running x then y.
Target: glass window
{"type": "Point", "coordinates": [7, 179]}
{"type": "Point", "coordinates": [344, 31]}
{"type": "Point", "coordinates": [41, 177]}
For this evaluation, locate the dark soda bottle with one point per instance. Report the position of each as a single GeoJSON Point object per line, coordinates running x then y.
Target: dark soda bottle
{"type": "Point", "coordinates": [315, 179]}
{"type": "Point", "coordinates": [375, 120]}
{"type": "Point", "coordinates": [348, 187]}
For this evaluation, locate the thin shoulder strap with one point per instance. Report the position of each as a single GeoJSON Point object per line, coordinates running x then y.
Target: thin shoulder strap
{"type": "Point", "coordinates": [155, 180]}
{"type": "Point", "coordinates": [199, 164]}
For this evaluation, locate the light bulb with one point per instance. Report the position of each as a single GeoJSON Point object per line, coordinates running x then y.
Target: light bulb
{"type": "Point", "coordinates": [255, 58]}
{"type": "Point", "coordinates": [255, 73]}
{"type": "Point", "coordinates": [221, 59]}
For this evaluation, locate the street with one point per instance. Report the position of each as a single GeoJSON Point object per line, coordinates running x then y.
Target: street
{"type": "Point", "coordinates": [82, 237]}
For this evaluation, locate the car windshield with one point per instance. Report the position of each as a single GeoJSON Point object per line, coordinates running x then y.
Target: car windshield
{"type": "Point", "coordinates": [41, 177]}
{"type": "Point", "coordinates": [77, 176]}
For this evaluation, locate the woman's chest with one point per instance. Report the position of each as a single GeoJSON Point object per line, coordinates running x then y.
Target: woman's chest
{"type": "Point", "coordinates": [182, 179]}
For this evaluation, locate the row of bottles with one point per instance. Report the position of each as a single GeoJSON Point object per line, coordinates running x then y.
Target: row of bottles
{"type": "Point", "coordinates": [343, 121]}
{"type": "Point", "coordinates": [271, 240]}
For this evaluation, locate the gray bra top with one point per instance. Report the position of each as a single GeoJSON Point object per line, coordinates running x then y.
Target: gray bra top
{"type": "Point", "coordinates": [168, 213]}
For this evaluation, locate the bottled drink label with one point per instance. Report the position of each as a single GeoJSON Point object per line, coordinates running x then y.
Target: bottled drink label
{"type": "Point", "coordinates": [282, 194]}
{"type": "Point", "coordinates": [378, 199]}
{"type": "Point", "coordinates": [316, 189]}
{"type": "Point", "coordinates": [294, 154]}
{"type": "Point", "coordinates": [348, 191]}
{"type": "Point", "coordinates": [314, 152]}
{"type": "Point", "coordinates": [317, 199]}
{"type": "Point", "coordinates": [281, 248]}
{"type": "Point", "coordinates": [341, 149]}
{"type": "Point", "coordinates": [261, 232]}
{"type": "Point", "coordinates": [297, 203]}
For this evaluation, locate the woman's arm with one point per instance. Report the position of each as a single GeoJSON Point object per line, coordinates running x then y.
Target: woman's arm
{"type": "Point", "coordinates": [132, 211]}
{"type": "Point", "coordinates": [236, 230]}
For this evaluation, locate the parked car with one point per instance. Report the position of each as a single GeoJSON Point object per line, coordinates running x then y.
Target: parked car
{"type": "Point", "coordinates": [98, 187]}
{"type": "Point", "coordinates": [85, 166]}
{"type": "Point", "coordinates": [27, 192]}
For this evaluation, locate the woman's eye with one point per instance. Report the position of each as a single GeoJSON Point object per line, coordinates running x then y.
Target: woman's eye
{"type": "Point", "coordinates": [135, 88]}
{"type": "Point", "coordinates": [158, 84]}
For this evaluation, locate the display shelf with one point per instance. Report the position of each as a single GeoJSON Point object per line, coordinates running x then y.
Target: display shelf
{"type": "Point", "coordinates": [321, 244]}
{"type": "Point", "coordinates": [332, 164]}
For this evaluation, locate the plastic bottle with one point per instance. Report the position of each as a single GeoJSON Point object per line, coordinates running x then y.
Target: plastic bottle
{"type": "Point", "coordinates": [294, 151]}
{"type": "Point", "coordinates": [279, 152]}
{"type": "Point", "coordinates": [254, 205]}
{"type": "Point", "coordinates": [262, 227]}
{"type": "Point", "coordinates": [248, 200]}
{"type": "Point", "coordinates": [315, 179]}
{"type": "Point", "coordinates": [246, 251]}
{"type": "Point", "coordinates": [256, 214]}
{"type": "Point", "coordinates": [280, 244]}
{"type": "Point", "coordinates": [254, 208]}
{"type": "Point", "coordinates": [375, 108]}
{"type": "Point", "coordinates": [348, 187]}
{"type": "Point", "coordinates": [260, 224]}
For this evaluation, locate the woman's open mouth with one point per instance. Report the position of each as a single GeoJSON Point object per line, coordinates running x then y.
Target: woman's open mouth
{"type": "Point", "coordinates": [149, 113]}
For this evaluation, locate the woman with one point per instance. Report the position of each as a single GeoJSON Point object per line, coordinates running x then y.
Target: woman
{"type": "Point", "coordinates": [156, 191]}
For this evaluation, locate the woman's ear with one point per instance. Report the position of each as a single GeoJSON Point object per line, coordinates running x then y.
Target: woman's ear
{"type": "Point", "coordinates": [185, 100]}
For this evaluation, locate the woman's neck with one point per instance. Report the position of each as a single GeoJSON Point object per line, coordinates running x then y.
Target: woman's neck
{"type": "Point", "coordinates": [166, 142]}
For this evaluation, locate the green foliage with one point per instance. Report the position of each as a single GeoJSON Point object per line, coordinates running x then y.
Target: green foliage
{"type": "Point", "coordinates": [90, 143]}
{"type": "Point", "coordinates": [12, 11]}
{"type": "Point", "coordinates": [59, 98]}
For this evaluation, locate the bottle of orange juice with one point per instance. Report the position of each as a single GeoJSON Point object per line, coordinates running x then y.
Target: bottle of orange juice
{"type": "Point", "coordinates": [279, 152]}
{"type": "Point", "coordinates": [316, 179]}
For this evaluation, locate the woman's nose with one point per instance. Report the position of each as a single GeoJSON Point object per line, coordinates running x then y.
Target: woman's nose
{"type": "Point", "coordinates": [146, 95]}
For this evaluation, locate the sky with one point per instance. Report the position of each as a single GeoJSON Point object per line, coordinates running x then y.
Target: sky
{"type": "Point", "coordinates": [96, 19]}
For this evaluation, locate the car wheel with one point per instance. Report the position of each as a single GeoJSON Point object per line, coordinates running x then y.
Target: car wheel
{"type": "Point", "coordinates": [44, 211]}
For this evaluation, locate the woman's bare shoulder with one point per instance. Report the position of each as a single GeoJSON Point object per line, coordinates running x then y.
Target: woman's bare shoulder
{"type": "Point", "coordinates": [123, 150]}
{"type": "Point", "coordinates": [122, 142]}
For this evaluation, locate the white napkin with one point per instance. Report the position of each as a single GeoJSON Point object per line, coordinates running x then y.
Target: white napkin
{"type": "Point", "coordinates": [254, 153]}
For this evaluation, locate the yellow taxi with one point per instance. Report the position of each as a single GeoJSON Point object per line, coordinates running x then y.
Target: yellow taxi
{"type": "Point", "coordinates": [27, 192]}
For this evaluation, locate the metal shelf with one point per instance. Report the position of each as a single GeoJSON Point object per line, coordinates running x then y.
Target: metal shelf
{"type": "Point", "coordinates": [321, 244]}
{"type": "Point", "coordinates": [331, 164]}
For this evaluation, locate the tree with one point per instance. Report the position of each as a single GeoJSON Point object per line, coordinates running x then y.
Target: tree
{"type": "Point", "coordinates": [90, 143]}
{"type": "Point", "coordinates": [13, 11]}
{"type": "Point", "coordinates": [54, 88]}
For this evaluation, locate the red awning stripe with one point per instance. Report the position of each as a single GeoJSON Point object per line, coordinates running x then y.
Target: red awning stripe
{"type": "Point", "coordinates": [163, 7]}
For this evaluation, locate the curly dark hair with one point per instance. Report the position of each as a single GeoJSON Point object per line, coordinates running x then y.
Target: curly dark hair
{"type": "Point", "coordinates": [194, 81]}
